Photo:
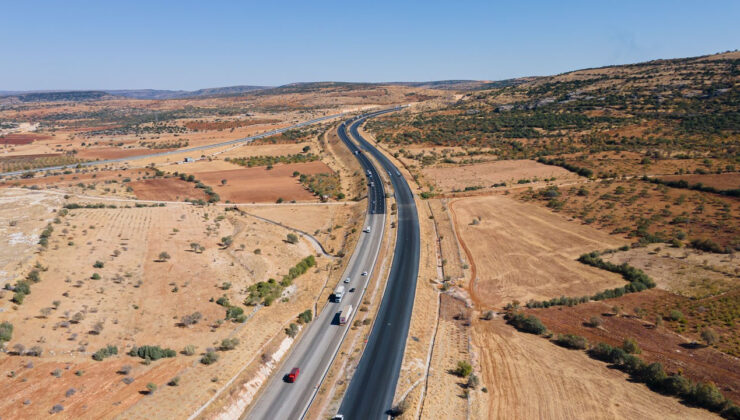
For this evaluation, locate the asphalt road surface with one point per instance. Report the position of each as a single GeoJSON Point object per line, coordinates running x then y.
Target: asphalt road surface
{"type": "Point", "coordinates": [317, 346]}
{"type": "Point", "coordinates": [192, 149]}
{"type": "Point", "coordinates": [370, 393]}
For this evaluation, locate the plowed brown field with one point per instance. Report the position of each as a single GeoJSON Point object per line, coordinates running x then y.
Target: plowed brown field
{"type": "Point", "coordinates": [262, 185]}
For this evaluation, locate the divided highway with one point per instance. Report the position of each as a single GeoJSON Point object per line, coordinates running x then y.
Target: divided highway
{"type": "Point", "coordinates": [317, 346]}
{"type": "Point", "coordinates": [192, 149]}
{"type": "Point", "coordinates": [370, 393]}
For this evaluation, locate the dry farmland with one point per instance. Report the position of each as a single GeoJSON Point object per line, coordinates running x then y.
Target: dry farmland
{"type": "Point", "coordinates": [522, 252]}
{"type": "Point", "coordinates": [104, 281]}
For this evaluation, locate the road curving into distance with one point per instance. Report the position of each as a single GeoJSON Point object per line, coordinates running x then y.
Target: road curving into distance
{"type": "Point", "coordinates": [172, 152]}
{"type": "Point", "coordinates": [370, 393]}
{"type": "Point", "coordinates": [319, 343]}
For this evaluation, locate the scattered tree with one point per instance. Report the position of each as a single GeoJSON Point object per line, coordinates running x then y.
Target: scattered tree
{"type": "Point", "coordinates": [709, 336]}
{"type": "Point", "coordinates": [464, 369]}
{"type": "Point", "coordinates": [292, 238]}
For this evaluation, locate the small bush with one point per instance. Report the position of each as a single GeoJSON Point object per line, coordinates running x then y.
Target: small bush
{"type": "Point", "coordinates": [174, 381]}
{"type": "Point", "coordinates": [526, 323]}
{"type": "Point", "coordinates": [209, 358]}
{"type": "Point", "coordinates": [189, 350]}
{"type": "Point", "coordinates": [6, 332]}
{"type": "Point", "coordinates": [571, 341]}
{"type": "Point", "coordinates": [595, 322]}
{"type": "Point", "coordinates": [229, 343]}
{"type": "Point", "coordinates": [151, 352]}
{"type": "Point", "coordinates": [305, 317]}
{"type": "Point", "coordinates": [630, 346]}
{"type": "Point", "coordinates": [151, 387]}
{"type": "Point", "coordinates": [105, 352]}
{"type": "Point", "coordinates": [292, 330]}
{"type": "Point", "coordinates": [463, 369]}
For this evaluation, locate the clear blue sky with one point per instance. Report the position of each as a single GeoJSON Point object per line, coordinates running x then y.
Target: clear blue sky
{"type": "Point", "coordinates": [195, 44]}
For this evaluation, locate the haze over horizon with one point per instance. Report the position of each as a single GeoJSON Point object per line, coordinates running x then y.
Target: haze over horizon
{"type": "Point", "coordinates": [82, 45]}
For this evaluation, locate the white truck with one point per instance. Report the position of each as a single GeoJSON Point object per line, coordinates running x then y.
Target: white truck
{"type": "Point", "coordinates": [338, 293]}
{"type": "Point", "coordinates": [345, 314]}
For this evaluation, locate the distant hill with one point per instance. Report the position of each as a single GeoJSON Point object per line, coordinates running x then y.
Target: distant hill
{"type": "Point", "coordinates": [445, 84]}
{"type": "Point", "coordinates": [53, 96]}
{"type": "Point", "coordinates": [176, 94]}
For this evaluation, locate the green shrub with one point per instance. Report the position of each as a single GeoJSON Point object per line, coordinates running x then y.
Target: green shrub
{"type": "Point", "coordinates": [571, 341]}
{"type": "Point", "coordinates": [305, 317]}
{"type": "Point", "coordinates": [6, 332]}
{"type": "Point", "coordinates": [526, 323]}
{"type": "Point", "coordinates": [209, 358]}
{"type": "Point", "coordinates": [233, 312]}
{"type": "Point", "coordinates": [151, 352]}
{"type": "Point", "coordinates": [707, 395]}
{"type": "Point", "coordinates": [463, 369]}
{"type": "Point", "coordinates": [229, 343]}
{"type": "Point", "coordinates": [105, 352]}
{"type": "Point", "coordinates": [630, 346]}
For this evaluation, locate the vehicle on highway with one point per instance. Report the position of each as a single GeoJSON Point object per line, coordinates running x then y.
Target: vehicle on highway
{"type": "Point", "coordinates": [338, 417]}
{"type": "Point", "coordinates": [344, 314]}
{"type": "Point", "coordinates": [366, 230]}
{"type": "Point", "coordinates": [352, 290]}
{"type": "Point", "coordinates": [369, 173]}
{"type": "Point", "coordinates": [338, 293]}
{"type": "Point", "coordinates": [364, 273]}
{"type": "Point", "coordinates": [347, 280]}
{"type": "Point", "coordinates": [357, 151]}
{"type": "Point", "coordinates": [398, 173]}
{"type": "Point", "coordinates": [293, 375]}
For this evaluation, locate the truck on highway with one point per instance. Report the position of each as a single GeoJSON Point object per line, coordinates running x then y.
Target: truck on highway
{"type": "Point", "coordinates": [338, 293]}
{"type": "Point", "coordinates": [344, 314]}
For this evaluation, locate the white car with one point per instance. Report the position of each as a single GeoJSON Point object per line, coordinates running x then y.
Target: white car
{"type": "Point", "coordinates": [347, 280]}
{"type": "Point", "coordinates": [366, 230]}
{"type": "Point", "coordinates": [364, 273]}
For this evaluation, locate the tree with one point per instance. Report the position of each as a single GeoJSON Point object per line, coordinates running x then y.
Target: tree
{"type": "Point", "coordinates": [196, 247]}
{"type": "Point", "coordinates": [164, 256]}
{"type": "Point", "coordinates": [464, 369]}
{"type": "Point", "coordinates": [151, 387]}
{"type": "Point", "coordinates": [229, 343]}
{"type": "Point", "coordinates": [305, 317]}
{"type": "Point", "coordinates": [595, 322]}
{"type": "Point", "coordinates": [6, 332]}
{"type": "Point", "coordinates": [292, 238]}
{"type": "Point", "coordinates": [709, 336]}
{"type": "Point", "coordinates": [209, 358]}
{"type": "Point", "coordinates": [226, 241]}
{"type": "Point", "coordinates": [472, 381]}
{"type": "Point", "coordinates": [223, 182]}
{"type": "Point", "coordinates": [630, 346]}
{"type": "Point", "coordinates": [45, 312]}
{"type": "Point", "coordinates": [292, 330]}
{"type": "Point", "coordinates": [191, 319]}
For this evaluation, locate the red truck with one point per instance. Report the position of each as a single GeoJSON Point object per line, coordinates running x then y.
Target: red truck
{"type": "Point", "coordinates": [293, 375]}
